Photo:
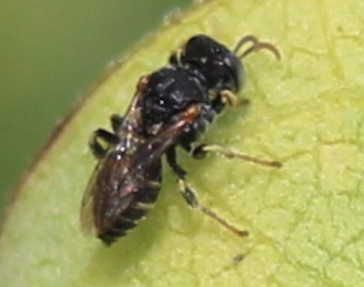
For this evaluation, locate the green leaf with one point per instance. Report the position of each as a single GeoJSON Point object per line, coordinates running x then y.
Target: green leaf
{"type": "Point", "coordinates": [306, 220]}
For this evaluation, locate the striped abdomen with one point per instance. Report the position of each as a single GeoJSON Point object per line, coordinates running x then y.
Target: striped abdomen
{"type": "Point", "coordinates": [138, 206]}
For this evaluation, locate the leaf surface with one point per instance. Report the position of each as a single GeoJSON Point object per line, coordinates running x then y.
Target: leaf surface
{"type": "Point", "coordinates": [306, 220]}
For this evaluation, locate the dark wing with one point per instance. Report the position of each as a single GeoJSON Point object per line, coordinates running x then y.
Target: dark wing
{"type": "Point", "coordinates": [108, 193]}
{"type": "Point", "coordinates": [118, 177]}
{"type": "Point", "coordinates": [97, 182]}
{"type": "Point", "coordinates": [86, 214]}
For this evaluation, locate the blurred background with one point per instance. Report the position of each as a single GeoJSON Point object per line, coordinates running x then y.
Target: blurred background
{"type": "Point", "coordinates": [50, 53]}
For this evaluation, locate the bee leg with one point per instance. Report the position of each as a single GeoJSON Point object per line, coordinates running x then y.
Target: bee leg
{"type": "Point", "coordinates": [172, 161]}
{"type": "Point", "coordinates": [174, 57]}
{"type": "Point", "coordinates": [202, 150]}
{"type": "Point", "coordinates": [116, 122]}
{"type": "Point", "coordinates": [190, 197]}
{"type": "Point", "coordinates": [100, 141]}
{"type": "Point", "coordinates": [226, 97]}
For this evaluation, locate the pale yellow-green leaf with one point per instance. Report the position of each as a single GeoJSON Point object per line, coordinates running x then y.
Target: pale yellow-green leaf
{"type": "Point", "coordinates": [306, 220]}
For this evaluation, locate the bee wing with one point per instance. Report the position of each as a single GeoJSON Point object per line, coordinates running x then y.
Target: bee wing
{"type": "Point", "coordinates": [105, 198]}
{"type": "Point", "coordinates": [114, 183]}
{"type": "Point", "coordinates": [131, 120]}
{"type": "Point", "coordinates": [86, 214]}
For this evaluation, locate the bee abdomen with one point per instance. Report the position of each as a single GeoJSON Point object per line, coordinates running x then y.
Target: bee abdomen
{"type": "Point", "coordinates": [130, 217]}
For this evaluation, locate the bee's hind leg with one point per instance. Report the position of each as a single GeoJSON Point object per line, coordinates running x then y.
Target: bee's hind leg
{"type": "Point", "coordinates": [191, 198]}
{"type": "Point", "coordinates": [116, 122]}
{"type": "Point", "coordinates": [100, 141]}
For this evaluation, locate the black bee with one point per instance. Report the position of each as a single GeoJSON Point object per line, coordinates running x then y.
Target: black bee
{"type": "Point", "coordinates": [172, 107]}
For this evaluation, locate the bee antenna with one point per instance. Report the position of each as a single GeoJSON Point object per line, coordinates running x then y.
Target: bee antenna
{"type": "Point", "coordinates": [244, 40]}
{"type": "Point", "coordinates": [256, 46]}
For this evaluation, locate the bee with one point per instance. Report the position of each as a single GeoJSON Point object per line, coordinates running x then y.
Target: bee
{"type": "Point", "coordinates": [171, 107]}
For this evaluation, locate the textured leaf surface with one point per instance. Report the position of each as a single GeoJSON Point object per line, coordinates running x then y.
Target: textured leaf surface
{"type": "Point", "coordinates": [306, 220]}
